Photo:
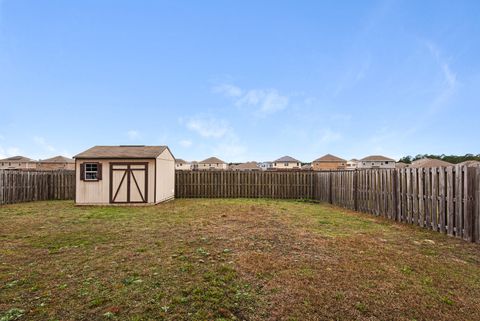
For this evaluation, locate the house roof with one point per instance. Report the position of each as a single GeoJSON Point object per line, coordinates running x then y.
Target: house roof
{"type": "Point", "coordinates": [18, 159]}
{"type": "Point", "coordinates": [307, 167]}
{"type": "Point", "coordinates": [470, 163]}
{"type": "Point", "coordinates": [123, 151]}
{"type": "Point", "coordinates": [353, 160]}
{"type": "Point", "coordinates": [212, 160]}
{"type": "Point", "coordinates": [400, 165]}
{"type": "Point", "coordinates": [247, 165]}
{"type": "Point", "coordinates": [180, 161]}
{"type": "Point", "coordinates": [378, 158]}
{"type": "Point", "coordinates": [329, 158]}
{"type": "Point", "coordinates": [428, 162]}
{"type": "Point", "coordinates": [287, 159]}
{"type": "Point", "coordinates": [58, 159]}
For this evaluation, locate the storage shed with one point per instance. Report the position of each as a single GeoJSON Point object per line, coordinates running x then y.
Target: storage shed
{"type": "Point", "coordinates": [125, 174]}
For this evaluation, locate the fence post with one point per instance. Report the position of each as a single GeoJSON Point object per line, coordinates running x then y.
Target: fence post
{"type": "Point", "coordinates": [355, 190]}
{"type": "Point", "coordinates": [476, 205]}
{"type": "Point", "coordinates": [330, 179]}
{"type": "Point", "coordinates": [2, 186]}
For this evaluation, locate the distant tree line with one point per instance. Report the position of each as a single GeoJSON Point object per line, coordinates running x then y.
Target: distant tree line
{"type": "Point", "coordinates": [454, 159]}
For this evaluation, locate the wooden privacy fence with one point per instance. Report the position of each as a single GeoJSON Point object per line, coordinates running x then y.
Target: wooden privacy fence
{"type": "Point", "coordinates": [23, 186]}
{"type": "Point", "coordinates": [446, 200]}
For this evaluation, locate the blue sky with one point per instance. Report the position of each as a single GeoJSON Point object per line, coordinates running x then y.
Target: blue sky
{"type": "Point", "coordinates": [241, 80]}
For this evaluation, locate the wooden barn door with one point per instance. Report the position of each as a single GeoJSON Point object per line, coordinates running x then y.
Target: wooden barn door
{"type": "Point", "coordinates": [128, 182]}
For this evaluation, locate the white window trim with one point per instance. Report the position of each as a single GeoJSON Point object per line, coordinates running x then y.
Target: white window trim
{"type": "Point", "coordinates": [90, 171]}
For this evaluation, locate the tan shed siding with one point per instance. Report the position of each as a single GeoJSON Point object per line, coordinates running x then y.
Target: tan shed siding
{"type": "Point", "coordinates": [98, 192]}
{"type": "Point", "coordinates": [165, 177]}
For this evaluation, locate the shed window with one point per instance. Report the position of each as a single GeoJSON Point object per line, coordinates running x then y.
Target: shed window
{"type": "Point", "coordinates": [91, 171]}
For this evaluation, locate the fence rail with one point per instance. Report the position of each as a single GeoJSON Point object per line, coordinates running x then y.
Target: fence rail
{"type": "Point", "coordinates": [23, 186]}
{"type": "Point", "coordinates": [446, 200]}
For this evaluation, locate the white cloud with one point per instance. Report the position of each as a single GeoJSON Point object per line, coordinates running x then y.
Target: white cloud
{"type": "Point", "coordinates": [185, 143]}
{"type": "Point", "coordinates": [133, 134]}
{"type": "Point", "coordinates": [208, 127]}
{"type": "Point", "coordinates": [266, 101]}
{"type": "Point", "coordinates": [9, 152]}
{"type": "Point", "coordinates": [450, 82]}
{"type": "Point", "coordinates": [228, 90]}
{"type": "Point", "coordinates": [231, 150]}
{"type": "Point", "coordinates": [263, 101]}
{"type": "Point", "coordinates": [226, 145]}
{"type": "Point", "coordinates": [40, 141]}
{"type": "Point", "coordinates": [330, 136]}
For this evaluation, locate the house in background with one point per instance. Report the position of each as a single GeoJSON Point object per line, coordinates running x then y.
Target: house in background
{"type": "Point", "coordinates": [286, 162]}
{"type": "Point", "coordinates": [352, 164]}
{"type": "Point", "coordinates": [126, 174]}
{"type": "Point", "coordinates": [56, 163]}
{"type": "Point", "coordinates": [401, 165]}
{"type": "Point", "coordinates": [194, 165]}
{"type": "Point", "coordinates": [307, 167]}
{"type": "Point", "coordinates": [18, 162]}
{"type": "Point", "coordinates": [329, 162]}
{"type": "Point", "coordinates": [470, 163]}
{"type": "Point", "coordinates": [182, 165]}
{"type": "Point", "coordinates": [429, 162]}
{"type": "Point", "coordinates": [265, 166]}
{"type": "Point", "coordinates": [376, 162]}
{"type": "Point", "coordinates": [246, 167]}
{"type": "Point", "coordinates": [212, 163]}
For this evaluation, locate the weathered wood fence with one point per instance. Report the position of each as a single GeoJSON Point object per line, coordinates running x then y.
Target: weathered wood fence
{"type": "Point", "coordinates": [446, 200]}
{"type": "Point", "coordinates": [23, 186]}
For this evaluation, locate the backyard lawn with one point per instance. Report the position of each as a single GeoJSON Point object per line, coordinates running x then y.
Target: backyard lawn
{"type": "Point", "coordinates": [235, 259]}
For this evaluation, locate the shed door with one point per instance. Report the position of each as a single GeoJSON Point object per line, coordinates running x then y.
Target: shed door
{"type": "Point", "coordinates": [128, 182]}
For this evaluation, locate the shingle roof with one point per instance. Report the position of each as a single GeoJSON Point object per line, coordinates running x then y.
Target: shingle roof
{"type": "Point", "coordinates": [18, 159]}
{"type": "Point", "coordinates": [180, 161]}
{"type": "Point", "coordinates": [58, 159]}
{"type": "Point", "coordinates": [212, 160]}
{"type": "Point", "coordinates": [373, 158]}
{"type": "Point", "coordinates": [428, 162]}
{"type": "Point", "coordinates": [287, 159]}
{"type": "Point", "coordinates": [248, 165]}
{"type": "Point", "coordinates": [122, 151]}
{"type": "Point", "coordinates": [329, 158]}
{"type": "Point", "coordinates": [470, 163]}
{"type": "Point", "coordinates": [400, 165]}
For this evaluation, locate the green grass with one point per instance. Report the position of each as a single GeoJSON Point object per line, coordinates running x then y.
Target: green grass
{"type": "Point", "coordinates": [235, 259]}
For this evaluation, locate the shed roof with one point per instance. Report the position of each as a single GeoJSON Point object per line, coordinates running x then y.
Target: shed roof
{"type": "Point", "coordinates": [212, 160]}
{"type": "Point", "coordinates": [287, 159]}
{"type": "Point", "coordinates": [18, 159]}
{"type": "Point", "coordinates": [58, 159]}
{"type": "Point", "coordinates": [123, 151]}
{"type": "Point", "coordinates": [377, 158]}
{"type": "Point", "coordinates": [329, 158]}
{"type": "Point", "coordinates": [429, 162]}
